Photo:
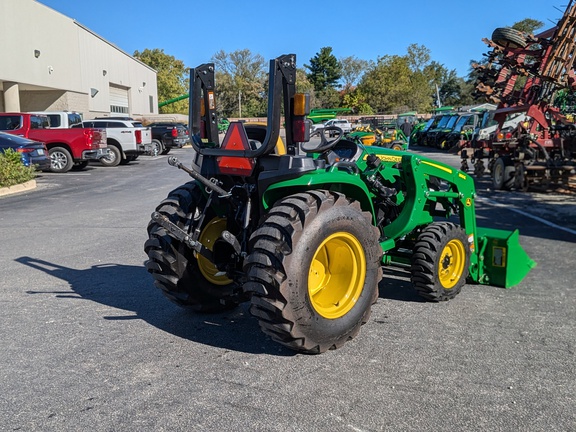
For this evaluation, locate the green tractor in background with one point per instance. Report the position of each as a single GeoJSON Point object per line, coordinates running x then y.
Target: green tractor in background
{"type": "Point", "coordinates": [380, 132]}
{"type": "Point", "coordinates": [322, 115]}
{"type": "Point", "coordinates": [223, 124]}
{"type": "Point", "coordinates": [305, 234]}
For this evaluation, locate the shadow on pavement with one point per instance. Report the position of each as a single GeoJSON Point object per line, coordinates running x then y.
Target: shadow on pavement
{"type": "Point", "coordinates": [396, 285]}
{"type": "Point", "coordinates": [130, 288]}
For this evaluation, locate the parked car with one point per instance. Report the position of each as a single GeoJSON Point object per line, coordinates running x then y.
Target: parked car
{"type": "Point", "coordinates": [33, 152]}
{"type": "Point", "coordinates": [126, 138]}
{"type": "Point", "coordinates": [61, 119]}
{"type": "Point", "coordinates": [68, 148]}
{"type": "Point", "coordinates": [167, 135]}
{"type": "Point", "coordinates": [341, 123]}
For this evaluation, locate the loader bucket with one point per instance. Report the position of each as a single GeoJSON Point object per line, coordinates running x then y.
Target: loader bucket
{"type": "Point", "coordinates": [502, 261]}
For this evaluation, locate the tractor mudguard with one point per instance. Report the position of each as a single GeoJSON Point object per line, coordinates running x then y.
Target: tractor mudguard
{"type": "Point", "coordinates": [338, 180]}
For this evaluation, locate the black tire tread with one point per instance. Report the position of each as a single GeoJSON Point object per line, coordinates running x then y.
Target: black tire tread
{"type": "Point", "coordinates": [265, 268]}
{"type": "Point", "coordinates": [509, 37]}
{"type": "Point", "coordinates": [168, 259]}
{"type": "Point", "coordinates": [423, 262]}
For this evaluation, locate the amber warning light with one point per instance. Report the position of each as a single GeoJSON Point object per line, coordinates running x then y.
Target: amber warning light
{"type": "Point", "coordinates": [236, 139]}
{"type": "Point", "coordinates": [301, 125]}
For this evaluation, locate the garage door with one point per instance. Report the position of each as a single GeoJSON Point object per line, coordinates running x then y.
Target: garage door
{"type": "Point", "coordinates": [119, 100]}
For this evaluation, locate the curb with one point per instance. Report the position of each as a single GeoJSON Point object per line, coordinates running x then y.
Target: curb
{"type": "Point", "coordinates": [31, 184]}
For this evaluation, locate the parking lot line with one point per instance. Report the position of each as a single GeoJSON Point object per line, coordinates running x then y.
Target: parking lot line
{"type": "Point", "coordinates": [523, 213]}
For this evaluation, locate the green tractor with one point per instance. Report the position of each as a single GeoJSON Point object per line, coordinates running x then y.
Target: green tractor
{"type": "Point", "coordinates": [322, 115]}
{"type": "Point", "coordinates": [304, 234]}
{"type": "Point", "coordinates": [380, 132]}
{"type": "Point", "coordinates": [223, 124]}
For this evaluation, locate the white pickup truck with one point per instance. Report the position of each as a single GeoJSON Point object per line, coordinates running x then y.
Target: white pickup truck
{"type": "Point", "coordinates": [341, 123]}
{"type": "Point", "coordinates": [127, 139]}
{"type": "Point", "coordinates": [61, 119]}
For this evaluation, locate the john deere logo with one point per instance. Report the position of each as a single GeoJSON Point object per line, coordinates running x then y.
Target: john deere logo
{"type": "Point", "coordinates": [387, 158]}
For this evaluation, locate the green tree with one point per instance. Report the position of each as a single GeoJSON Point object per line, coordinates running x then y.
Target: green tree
{"type": "Point", "coordinates": [241, 83]}
{"type": "Point", "coordinates": [325, 70]}
{"type": "Point", "coordinates": [387, 84]}
{"type": "Point", "coordinates": [418, 57]}
{"type": "Point", "coordinates": [451, 89]}
{"type": "Point", "coordinates": [352, 68]}
{"type": "Point", "coordinates": [426, 75]}
{"type": "Point", "coordinates": [172, 78]}
{"type": "Point", "coordinates": [528, 25]}
{"type": "Point", "coordinates": [303, 85]}
{"type": "Point", "coordinates": [327, 98]}
{"type": "Point", "coordinates": [357, 101]}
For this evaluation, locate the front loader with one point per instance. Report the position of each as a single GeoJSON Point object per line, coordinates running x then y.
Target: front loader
{"type": "Point", "coordinates": [303, 232]}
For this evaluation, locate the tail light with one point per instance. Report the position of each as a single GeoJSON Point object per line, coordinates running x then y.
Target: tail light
{"type": "Point", "coordinates": [300, 124]}
{"type": "Point", "coordinates": [89, 134]}
{"type": "Point", "coordinates": [95, 138]}
{"type": "Point", "coordinates": [502, 136]}
{"type": "Point", "coordinates": [24, 150]}
{"type": "Point", "coordinates": [301, 130]}
{"type": "Point", "coordinates": [138, 134]}
{"type": "Point", "coordinates": [174, 133]}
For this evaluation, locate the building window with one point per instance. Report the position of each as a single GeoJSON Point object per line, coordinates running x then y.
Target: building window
{"type": "Point", "coordinates": [118, 109]}
{"type": "Point", "coordinates": [151, 99]}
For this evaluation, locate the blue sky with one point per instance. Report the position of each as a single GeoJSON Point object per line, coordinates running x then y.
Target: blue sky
{"type": "Point", "coordinates": [193, 31]}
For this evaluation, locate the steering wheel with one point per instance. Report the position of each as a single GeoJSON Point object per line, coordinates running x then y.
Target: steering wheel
{"type": "Point", "coordinates": [325, 144]}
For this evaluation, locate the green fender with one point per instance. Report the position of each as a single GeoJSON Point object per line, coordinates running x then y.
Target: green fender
{"type": "Point", "coordinates": [334, 179]}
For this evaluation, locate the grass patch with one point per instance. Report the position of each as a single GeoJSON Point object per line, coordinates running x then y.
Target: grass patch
{"type": "Point", "coordinates": [12, 170]}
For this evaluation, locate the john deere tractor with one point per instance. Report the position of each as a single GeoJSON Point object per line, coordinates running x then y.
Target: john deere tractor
{"type": "Point", "coordinates": [303, 232]}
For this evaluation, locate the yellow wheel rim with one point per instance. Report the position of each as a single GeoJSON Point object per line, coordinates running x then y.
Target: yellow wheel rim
{"type": "Point", "coordinates": [451, 264]}
{"type": "Point", "coordinates": [208, 236]}
{"type": "Point", "coordinates": [337, 274]}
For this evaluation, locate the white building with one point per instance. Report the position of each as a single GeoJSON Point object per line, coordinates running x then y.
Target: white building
{"type": "Point", "coordinates": [49, 62]}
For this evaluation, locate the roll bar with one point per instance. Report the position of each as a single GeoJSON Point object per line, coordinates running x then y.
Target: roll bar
{"type": "Point", "coordinates": [203, 119]}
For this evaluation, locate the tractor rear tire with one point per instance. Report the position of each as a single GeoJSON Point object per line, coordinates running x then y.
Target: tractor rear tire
{"type": "Point", "coordinates": [440, 261]}
{"type": "Point", "coordinates": [509, 38]}
{"type": "Point", "coordinates": [314, 271]}
{"type": "Point", "coordinates": [183, 278]}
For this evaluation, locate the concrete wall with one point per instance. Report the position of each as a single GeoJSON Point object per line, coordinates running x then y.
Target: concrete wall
{"type": "Point", "coordinates": [56, 63]}
{"type": "Point", "coordinates": [28, 26]}
{"type": "Point", "coordinates": [53, 100]}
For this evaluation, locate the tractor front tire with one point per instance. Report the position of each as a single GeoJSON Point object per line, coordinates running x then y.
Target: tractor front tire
{"type": "Point", "coordinates": [184, 278]}
{"type": "Point", "coordinates": [440, 261]}
{"type": "Point", "coordinates": [313, 271]}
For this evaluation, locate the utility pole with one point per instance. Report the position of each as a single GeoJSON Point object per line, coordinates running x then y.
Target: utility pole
{"type": "Point", "coordinates": [239, 103]}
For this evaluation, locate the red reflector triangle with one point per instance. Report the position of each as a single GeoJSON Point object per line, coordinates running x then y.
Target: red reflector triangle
{"type": "Point", "coordinates": [235, 139]}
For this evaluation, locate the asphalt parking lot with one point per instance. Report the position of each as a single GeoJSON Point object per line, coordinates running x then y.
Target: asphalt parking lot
{"type": "Point", "coordinates": [88, 343]}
